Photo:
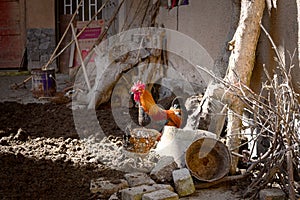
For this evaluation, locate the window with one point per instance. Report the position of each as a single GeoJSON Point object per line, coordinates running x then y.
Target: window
{"type": "Point", "coordinates": [86, 10]}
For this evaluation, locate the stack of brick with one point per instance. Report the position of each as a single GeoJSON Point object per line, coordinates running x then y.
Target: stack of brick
{"type": "Point", "coordinates": [140, 186]}
{"type": "Point", "coordinates": [157, 185]}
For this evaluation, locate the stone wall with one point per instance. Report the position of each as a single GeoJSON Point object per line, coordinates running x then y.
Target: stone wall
{"type": "Point", "coordinates": [40, 46]}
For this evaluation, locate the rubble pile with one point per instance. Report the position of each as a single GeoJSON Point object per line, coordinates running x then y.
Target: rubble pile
{"type": "Point", "coordinates": [108, 151]}
{"type": "Point", "coordinates": [138, 185]}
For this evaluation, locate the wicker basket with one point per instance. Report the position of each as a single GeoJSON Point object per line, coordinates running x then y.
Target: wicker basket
{"type": "Point", "coordinates": [142, 140]}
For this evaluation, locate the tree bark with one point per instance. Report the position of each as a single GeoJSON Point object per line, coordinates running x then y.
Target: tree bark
{"type": "Point", "coordinates": [240, 67]}
{"type": "Point", "coordinates": [241, 63]}
{"type": "Point", "coordinates": [206, 112]}
{"type": "Point", "coordinates": [298, 22]}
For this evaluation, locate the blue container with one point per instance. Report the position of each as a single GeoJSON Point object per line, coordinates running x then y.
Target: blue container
{"type": "Point", "coordinates": [43, 83]}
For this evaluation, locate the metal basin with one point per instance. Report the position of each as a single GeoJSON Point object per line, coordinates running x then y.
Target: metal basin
{"type": "Point", "coordinates": [208, 159]}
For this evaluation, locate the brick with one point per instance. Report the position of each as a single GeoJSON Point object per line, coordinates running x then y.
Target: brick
{"type": "Point", "coordinates": [163, 186]}
{"type": "Point", "coordinates": [162, 172]}
{"type": "Point", "coordinates": [161, 195]}
{"type": "Point", "coordinates": [138, 178]}
{"type": "Point", "coordinates": [136, 193]}
{"type": "Point", "coordinates": [272, 194]}
{"type": "Point", "coordinates": [106, 187]}
{"type": "Point", "coordinates": [183, 181]}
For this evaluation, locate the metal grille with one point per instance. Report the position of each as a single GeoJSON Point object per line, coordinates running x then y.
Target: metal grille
{"type": "Point", "coordinates": [89, 8]}
{"type": "Point", "coordinates": [86, 10]}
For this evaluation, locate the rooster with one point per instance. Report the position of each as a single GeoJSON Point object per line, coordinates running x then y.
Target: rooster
{"type": "Point", "coordinates": [144, 98]}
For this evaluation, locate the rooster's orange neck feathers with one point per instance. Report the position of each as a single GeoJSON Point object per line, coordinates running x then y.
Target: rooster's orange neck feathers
{"type": "Point", "coordinates": [145, 99]}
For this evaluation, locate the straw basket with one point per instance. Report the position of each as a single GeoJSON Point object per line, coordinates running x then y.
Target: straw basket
{"type": "Point", "coordinates": [142, 140]}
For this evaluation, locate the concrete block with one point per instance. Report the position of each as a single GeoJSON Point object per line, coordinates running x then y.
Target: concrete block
{"type": "Point", "coordinates": [161, 195]}
{"type": "Point", "coordinates": [183, 181]}
{"type": "Point", "coordinates": [106, 187]}
{"type": "Point", "coordinates": [163, 186]}
{"type": "Point", "coordinates": [174, 142]}
{"type": "Point", "coordinates": [162, 172]}
{"type": "Point", "coordinates": [272, 194]}
{"type": "Point", "coordinates": [136, 193]}
{"type": "Point", "coordinates": [138, 178]}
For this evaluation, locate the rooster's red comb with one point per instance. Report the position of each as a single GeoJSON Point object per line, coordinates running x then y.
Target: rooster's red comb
{"type": "Point", "coordinates": [137, 86]}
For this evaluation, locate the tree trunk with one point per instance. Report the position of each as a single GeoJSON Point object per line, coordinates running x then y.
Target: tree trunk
{"type": "Point", "coordinates": [206, 112]}
{"type": "Point", "coordinates": [241, 63]}
{"type": "Point", "coordinates": [298, 21]}
{"type": "Point", "coordinates": [240, 66]}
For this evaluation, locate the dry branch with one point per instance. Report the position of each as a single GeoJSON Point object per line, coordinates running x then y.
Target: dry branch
{"type": "Point", "coordinates": [275, 115]}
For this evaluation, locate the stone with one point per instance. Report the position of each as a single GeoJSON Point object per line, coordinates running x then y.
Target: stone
{"type": "Point", "coordinates": [163, 186]}
{"type": "Point", "coordinates": [32, 44]}
{"type": "Point", "coordinates": [138, 178]}
{"type": "Point", "coordinates": [161, 195]}
{"type": "Point", "coordinates": [272, 194]}
{"type": "Point", "coordinates": [34, 56]}
{"type": "Point", "coordinates": [114, 196]}
{"type": "Point", "coordinates": [21, 135]}
{"type": "Point", "coordinates": [136, 193]}
{"type": "Point", "coordinates": [45, 39]}
{"type": "Point", "coordinates": [183, 181]}
{"type": "Point", "coordinates": [44, 45]}
{"type": "Point", "coordinates": [37, 32]}
{"type": "Point", "coordinates": [107, 187]}
{"type": "Point", "coordinates": [44, 58]}
{"type": "Point", "coordinates": [162, 172]}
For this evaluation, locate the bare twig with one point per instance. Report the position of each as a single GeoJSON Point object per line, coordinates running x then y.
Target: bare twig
{"type": "Point", "coordinates": [276, 118]}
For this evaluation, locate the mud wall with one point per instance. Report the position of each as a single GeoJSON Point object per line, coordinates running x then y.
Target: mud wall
{"type": "Point", "coordinates": [281, 23]}
{"type": "Point", "coordinates": [209, 22]}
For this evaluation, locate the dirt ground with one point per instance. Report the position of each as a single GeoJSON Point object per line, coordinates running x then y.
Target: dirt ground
{"type": "Point", "coordinates": [43, 157]}
{"type": "Point", "coordinates": [37, 176]}
{"type": "Point", "coordinates": [29, 129]}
